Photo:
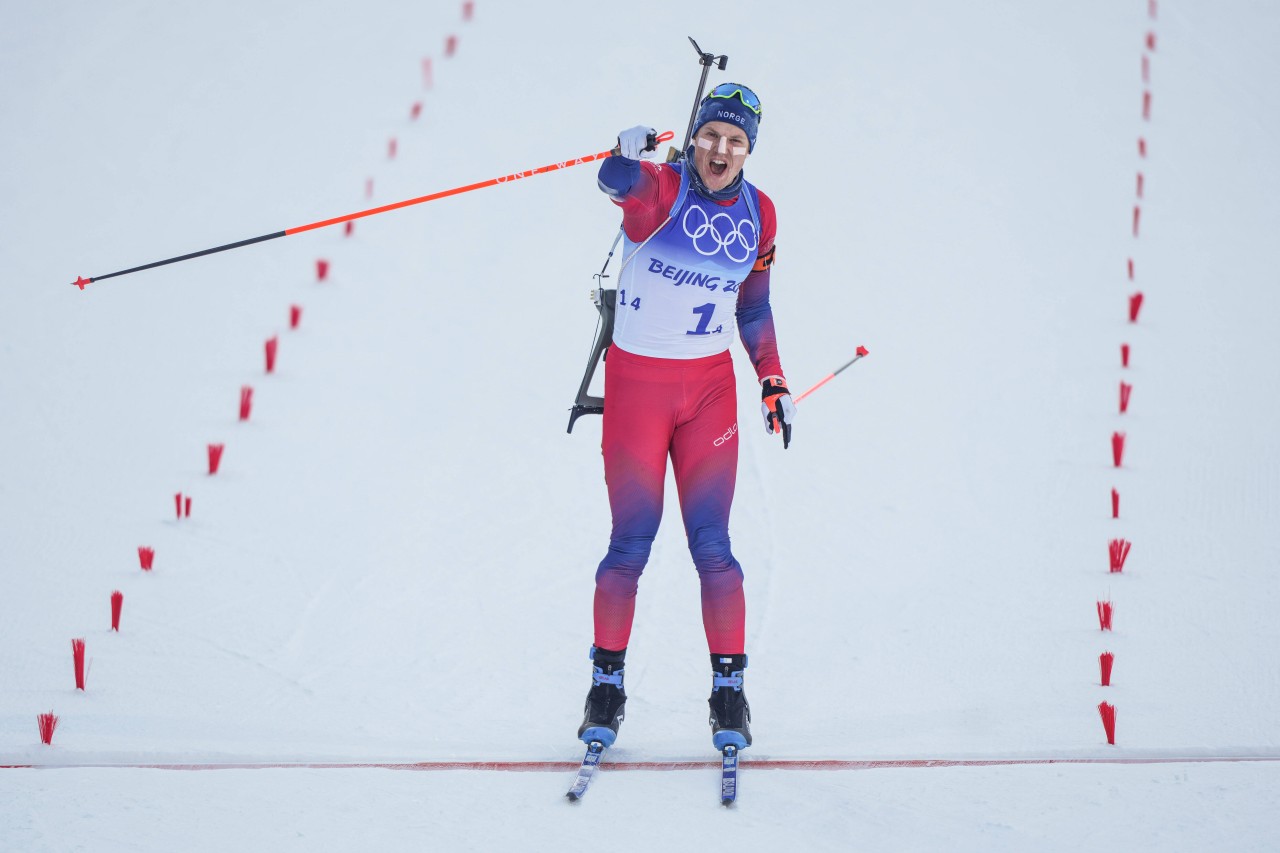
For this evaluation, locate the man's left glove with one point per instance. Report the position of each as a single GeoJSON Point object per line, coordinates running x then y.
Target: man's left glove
{"type": "Point", "coordinates": [636, 142]}
{"type": "Point", "coordinates": [779, 412]}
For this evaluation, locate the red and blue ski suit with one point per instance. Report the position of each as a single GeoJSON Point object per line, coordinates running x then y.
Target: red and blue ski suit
{"type": "Point", "coordinates": [669, 382]}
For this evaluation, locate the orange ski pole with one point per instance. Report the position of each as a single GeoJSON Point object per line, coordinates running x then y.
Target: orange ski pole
{"type": "Point", "coordinates": [861, 352]}
{"type": "Point", "coordinates": [82, 282]}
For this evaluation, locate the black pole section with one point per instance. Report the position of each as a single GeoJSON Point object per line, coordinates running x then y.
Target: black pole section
{"type": "Point", "coordinates": [706, 60]}
{"type": "Point", "coordinates": [81, 282]}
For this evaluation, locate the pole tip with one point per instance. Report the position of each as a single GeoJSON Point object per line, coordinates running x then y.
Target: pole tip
{"type": "Point", "coordinates": [80, 282]}
{"type": "Point", "coordinates": [863, 351]}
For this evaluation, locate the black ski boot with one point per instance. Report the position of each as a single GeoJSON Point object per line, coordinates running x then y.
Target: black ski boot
{"type": "Point", "coordinates": [730, 713]}
{"type": "Point", "coordinates": [606, 699]}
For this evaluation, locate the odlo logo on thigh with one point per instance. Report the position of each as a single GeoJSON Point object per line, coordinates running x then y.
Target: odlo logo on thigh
{"type": "Point", "coordinates": [728, 434]}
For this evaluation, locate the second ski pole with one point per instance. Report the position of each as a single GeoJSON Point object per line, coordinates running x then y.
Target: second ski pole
{"type": "Point", "coordinates": [862, 351]}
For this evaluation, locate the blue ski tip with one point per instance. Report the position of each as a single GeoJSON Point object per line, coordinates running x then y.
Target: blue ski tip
{"type": "Point", "coordinates": [603, 735]}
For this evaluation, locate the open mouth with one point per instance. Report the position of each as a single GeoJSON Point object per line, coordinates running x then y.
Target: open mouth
{"type": "Point", "coordinates": [718, 166]}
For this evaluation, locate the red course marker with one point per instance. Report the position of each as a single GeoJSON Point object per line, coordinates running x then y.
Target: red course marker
{"type": "Point", "coordinates": [1108, 713]}
{"type": "Point", "coordinates": [1105, 612]}
{"type": "Point", "coordinates": [1117, 448]}
{"type": "Point", "coordinates": [77, 657]}
{"type": "Point", "coordinates": [1118, 551]}
{"type": "Point", "coordinates": [215, 458]}
{"type": "Point", "coordinates": [47, 722]}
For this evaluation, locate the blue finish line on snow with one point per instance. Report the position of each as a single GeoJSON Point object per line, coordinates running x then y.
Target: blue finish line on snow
{"type": "Point", "coordinates": [569, 766]}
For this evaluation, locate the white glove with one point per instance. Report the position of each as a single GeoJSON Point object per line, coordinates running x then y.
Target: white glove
{"type": "Point", "coordinates": [633, 143]}
{"type": "Point", "coordinates": [778, 409]}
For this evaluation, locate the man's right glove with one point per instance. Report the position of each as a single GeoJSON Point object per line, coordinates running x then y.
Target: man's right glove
{"type": "Point", "coordinates": [637, 142]}
{"type": "Point", "coordinates": [779, 412]}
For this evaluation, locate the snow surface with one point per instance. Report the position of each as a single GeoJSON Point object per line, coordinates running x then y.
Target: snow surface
{"type": "Point", "coordinates": [395, 562]}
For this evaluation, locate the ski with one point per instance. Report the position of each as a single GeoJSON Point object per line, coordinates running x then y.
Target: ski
{"type": "Point", "coordinates": [729, 775]}
{"type": "Point", "coordinates": [595, 751]}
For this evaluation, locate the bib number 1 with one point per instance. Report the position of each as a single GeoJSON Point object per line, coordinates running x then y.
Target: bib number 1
{"type": "Point", "coordinates": [704, 313]}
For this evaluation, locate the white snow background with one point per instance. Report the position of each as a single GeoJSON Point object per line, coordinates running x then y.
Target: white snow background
{"type": "Point", "coordinates": [395, 562]}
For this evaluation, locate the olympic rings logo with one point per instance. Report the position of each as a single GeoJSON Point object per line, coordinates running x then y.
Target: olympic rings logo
{"type": "Point", "coordinates": [710, 235]}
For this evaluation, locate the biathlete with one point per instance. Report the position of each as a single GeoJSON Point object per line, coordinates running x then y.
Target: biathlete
{"type": "Point", "coordinates": [699, 243]}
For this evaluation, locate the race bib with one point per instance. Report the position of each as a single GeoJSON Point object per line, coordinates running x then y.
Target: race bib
{"type": "Point", "coordinates": [678, 294]}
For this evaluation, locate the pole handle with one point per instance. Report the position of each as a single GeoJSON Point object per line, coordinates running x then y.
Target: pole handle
{"type": "Point", "coordinates": [652, 139]}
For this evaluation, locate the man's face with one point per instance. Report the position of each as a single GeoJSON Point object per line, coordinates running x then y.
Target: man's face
{"type": "Point", "coordinates": [720, 150]}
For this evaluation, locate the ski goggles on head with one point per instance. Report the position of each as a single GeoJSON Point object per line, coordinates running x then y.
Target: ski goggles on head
{"type": "Point", "coordinates": [729, 91]}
